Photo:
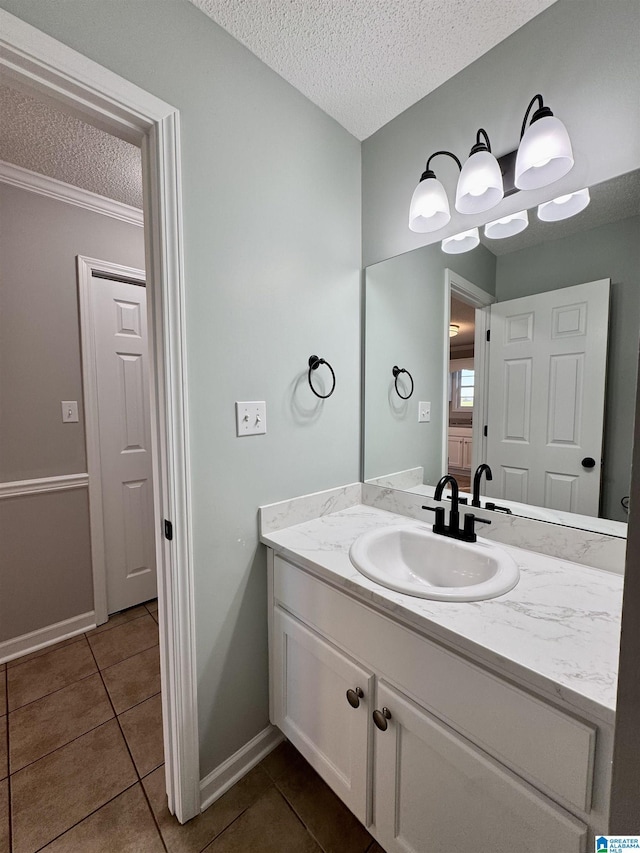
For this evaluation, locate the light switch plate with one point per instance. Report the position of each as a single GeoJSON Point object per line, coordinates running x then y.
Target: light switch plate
{"type": "Point", "coordinates": [251, 418]}
{"type": "Point", "coordinates": [69, 411]}
{"type": "Point", "coordinates": [424, 413]}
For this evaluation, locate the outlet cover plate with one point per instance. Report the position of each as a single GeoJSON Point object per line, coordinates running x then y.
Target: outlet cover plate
{"type": "Point", "coordinates": [424, 413]}
{"type": "Point", "coordinates": [69, 411]}
{"type": "Point", "coordinates": [251, 418]}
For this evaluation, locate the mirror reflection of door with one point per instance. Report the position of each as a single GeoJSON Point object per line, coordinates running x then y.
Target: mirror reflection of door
{"type": "Point", "coordinates": [547, 369]}
{"type": "Point", "coordinates": [461, 391]}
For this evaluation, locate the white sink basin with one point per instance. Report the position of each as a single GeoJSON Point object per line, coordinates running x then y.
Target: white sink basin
{"type": "Point", "coordinates": [414, 560]}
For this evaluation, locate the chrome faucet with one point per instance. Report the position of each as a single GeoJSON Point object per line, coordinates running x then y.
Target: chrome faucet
{"type": "Point", "coordinates": [484, 468]}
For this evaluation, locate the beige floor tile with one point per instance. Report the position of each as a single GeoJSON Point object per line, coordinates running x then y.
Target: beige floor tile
{"type": "Point", "coordinates": [61, 789]}
{"type": "Point", "coordinates": [51, 722]}
{"type": "Point", "coordinates": [124, 825]}
{"type": "Point", "coordinates": [133, 680]}
{"type": "Point", "coordinates": [152, 606]}
{"type": "Point", "coordinates": [268, 826]}
{"type": "Point", "coordinates": [45, 651]}
{"type": "Point", "coordinates": [44, 674]}
{"type": "Point", "coordinates": [326, 817]}
{"type": "Point", "coordinates": [4, 761]}
{"type": "Point", "coordinates": [110, 647]}
{"type": "Point", "coordinates": [193, 836]}
{"type": "Point", "coordinates": [4, 817]}
{"type": "Point", "coordinates": [119, 619]}
{"type": "Point", "coordinates": [142, 727]}
{"type": "Point", "coordinates": [3, 693]}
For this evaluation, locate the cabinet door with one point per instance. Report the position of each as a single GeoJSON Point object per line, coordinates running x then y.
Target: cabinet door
{"type": "Point", "coordinates": [434, 790]}
{"type": "Point", "coordinates": [311, 680]}
{"type": "Point", "coordinates": [455, 452]}
{"type": "Point", "coordinates": [467, 446]}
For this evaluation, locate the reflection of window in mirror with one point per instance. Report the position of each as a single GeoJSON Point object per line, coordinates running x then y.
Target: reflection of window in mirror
{"type": "Point", "coordinates": [462, 391]}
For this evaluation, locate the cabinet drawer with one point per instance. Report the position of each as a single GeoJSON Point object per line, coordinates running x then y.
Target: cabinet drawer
{"type": "Point", "coordinates": [549, 748]}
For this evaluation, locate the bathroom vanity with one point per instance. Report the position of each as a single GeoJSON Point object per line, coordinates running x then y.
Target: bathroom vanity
{"type": "Point", "coordinates": [457, 726]}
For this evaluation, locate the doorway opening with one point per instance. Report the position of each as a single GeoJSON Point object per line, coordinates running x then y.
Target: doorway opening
{"type": "Point", "coordinates": [36, 63]}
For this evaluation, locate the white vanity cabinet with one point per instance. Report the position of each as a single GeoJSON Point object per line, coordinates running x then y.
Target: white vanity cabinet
{"type": "Point", "coordinates": [459, 759]}
{"type": "Point", "coordinates": [460, 448]}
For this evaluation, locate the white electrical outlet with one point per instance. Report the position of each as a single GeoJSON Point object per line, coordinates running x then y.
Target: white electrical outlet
{"type": "Point", "coordinates": [424, 413]}
{"type": "Point", "coordinates": [251, 418]}
{"type": "Point", "coordinates": [69, 411]}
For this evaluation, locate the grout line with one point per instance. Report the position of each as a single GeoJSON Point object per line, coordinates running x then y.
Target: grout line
{"type": "Point", "coordinates": [306, 828]}
{"type": "Point", "coordinates": [73, 826]}
{"type": "Point", "coordinates": [137, 704]}
{"type": "Point", "coordinates": [111, 665]}
{"type": "Point", "coordinates": [95, 633]}
{"type": "Point", "coordinates": [9, 809]}
{"type": "Point", "coordinates": [47, 650]}
{"type": "Point", "coordinates": [62, 746]}
{"type": "Point", "coordinates": [126, 743]}
{"type": "Point", "coordinates": [57, 690]}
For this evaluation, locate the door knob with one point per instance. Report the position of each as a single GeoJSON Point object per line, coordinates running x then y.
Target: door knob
{"type": "Point", "coordinates": [354, 697]}
{"type": "Point", "coordinates": [588, 462]}
{"type": "Point", "coordinates": [380, 718]}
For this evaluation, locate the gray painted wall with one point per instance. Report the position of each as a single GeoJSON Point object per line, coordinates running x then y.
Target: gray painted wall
{"type": "Point", "coordinates": [404, 326]}
{"type": "Point", "coordinates": [45, 571]}
{"type": "Point", "coordinates": [39, 326]}
{"type": "Point", "coordinates": [584, 57]}
{"type": "Point", "coordinates": [45, 559]}
{"type": "Point", "coordinates": [271, 189]}
{"type": "Point", "coordinates": [610, 251]}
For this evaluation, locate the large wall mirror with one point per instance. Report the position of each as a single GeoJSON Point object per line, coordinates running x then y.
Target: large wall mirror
{"type": "Point", "coordinates": [548, 401]}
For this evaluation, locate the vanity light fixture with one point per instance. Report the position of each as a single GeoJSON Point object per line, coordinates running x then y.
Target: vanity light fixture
{"type": "Point", "coordinates": [543, 156]}
{"type": "Point", "coordinates": [463, 242]}
{"type": "Point", "coordinates": [564, 206]}
{"type": "Point", "coordinates": [544, 153]}
{"type": "Point", "coordinates": [429, 209]}
{"type": "Point", "coordinates": [480, 184]}
{"type": "Point", "coordinates": [453, 330]}
{"type": "Point", "coordinates": [507, 226]}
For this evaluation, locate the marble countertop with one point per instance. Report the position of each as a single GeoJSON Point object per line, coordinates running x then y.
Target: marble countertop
{"type": "Point", "coordinates": [556, 632]}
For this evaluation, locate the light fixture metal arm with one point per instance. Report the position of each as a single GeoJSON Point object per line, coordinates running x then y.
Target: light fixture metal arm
{"type": "Point", "coordinates": [541, 112]}
{"type": "Point", "coordinates": [448, 153]}
{"type": "Point", "coordinates": [482, 146]}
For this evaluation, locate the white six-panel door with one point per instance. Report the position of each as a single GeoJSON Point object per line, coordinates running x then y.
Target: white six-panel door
{"type": "Point", "coordinates": [119, 319]}
{"type": "Point", "coordinates": [547, 367]}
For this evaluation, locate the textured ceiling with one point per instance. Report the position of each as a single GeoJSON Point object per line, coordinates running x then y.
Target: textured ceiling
{"type": "Point", "coordinates": [36, 136]}
{"type": "Point", "coordinates": [365, 61]}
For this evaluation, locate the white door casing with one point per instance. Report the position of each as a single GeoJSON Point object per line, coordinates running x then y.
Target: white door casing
{"type": "Point", "coordinates": [118, 317]}
{"type": "Point", "coordinates": [547, 370]}
{"type": "Point", "coordinates": [33, 60]}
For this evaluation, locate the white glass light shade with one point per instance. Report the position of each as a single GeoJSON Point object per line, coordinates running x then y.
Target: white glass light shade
{"type": "Point", "coordinates": [544, 155]}
{"type": "Point", "coordinates": [480, 184]}
{"type": "Point", "coordinates": [564, 206]}
{"type": "Point", "coordinates": [460, 243]}
{"type": "Point", "coordinates": [453, 330]}
{"type": "Point", "coordinates": [507, 226]}
{"type": "Point", "coordinates": [429, 209]}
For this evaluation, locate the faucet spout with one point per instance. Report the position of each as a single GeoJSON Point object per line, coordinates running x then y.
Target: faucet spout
{"type": "Point", "coordinates": [480, 470]}
{"type": "Point", "coordinates": [454, 514]}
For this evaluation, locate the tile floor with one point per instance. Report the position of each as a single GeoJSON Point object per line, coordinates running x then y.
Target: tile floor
{"type": "Point", "coordinates": [81, 763]}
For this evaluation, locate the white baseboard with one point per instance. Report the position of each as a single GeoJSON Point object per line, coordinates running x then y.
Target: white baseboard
{"type": "Point", "coordinates": [36, 640]}
{"type": "Point", "coordinates": [233, 769]}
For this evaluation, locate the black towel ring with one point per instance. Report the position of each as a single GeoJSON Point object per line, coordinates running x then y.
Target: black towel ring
{"type": "Point", "coordinates": [396, 372]}
{"type": "Point", "coordinates": [314, 364]}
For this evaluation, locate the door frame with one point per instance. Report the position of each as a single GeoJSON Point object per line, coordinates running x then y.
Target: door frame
{"type": "Point", "coordinates": [32, 60]}
{"type": "Point", "coordinates": [85, 268]}
{"type": "Point", "coordinates": [456, 285]}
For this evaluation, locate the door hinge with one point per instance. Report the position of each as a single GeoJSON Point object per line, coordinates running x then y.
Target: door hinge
{"type": "Point", "coordinates": [168, 530]}
{"type": "Point", "coordinates": [488, 335]}
{"type": "Point", "coordinates": [485, 430]}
